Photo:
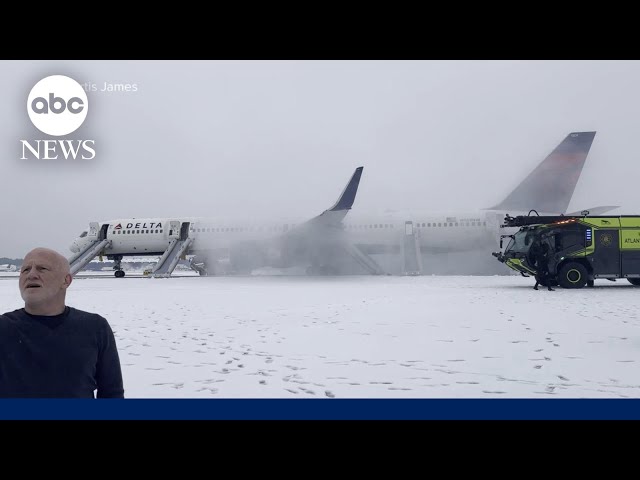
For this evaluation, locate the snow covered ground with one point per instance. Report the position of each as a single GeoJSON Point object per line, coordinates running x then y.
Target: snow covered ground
{"type": "Point", "coordinates": [364, 336]}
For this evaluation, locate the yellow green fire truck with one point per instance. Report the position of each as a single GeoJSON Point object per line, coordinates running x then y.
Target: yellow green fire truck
{"type": "Point", "coordinates": [581, 249]}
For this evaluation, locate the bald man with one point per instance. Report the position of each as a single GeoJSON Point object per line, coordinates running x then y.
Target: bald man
{"type": "Point", "coordinates": [48, 349]}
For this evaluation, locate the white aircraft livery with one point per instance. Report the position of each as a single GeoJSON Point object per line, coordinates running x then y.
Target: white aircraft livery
{"type": "Point", "coordinates": [332, 242]}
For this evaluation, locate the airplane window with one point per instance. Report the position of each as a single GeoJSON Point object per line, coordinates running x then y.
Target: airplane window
{"type": "Point", "coordinates": [439, 224]}
{"type": "Point", "coordinates": [456, 224]}
{"type": "Point", "coordinates": [160, 231]}
{"type": "Point", "coordinates": [484, 224]}
{"type": "Point", "coordinates": [147, 231]}
{"type": "Point", "coordinates": [83, 234]}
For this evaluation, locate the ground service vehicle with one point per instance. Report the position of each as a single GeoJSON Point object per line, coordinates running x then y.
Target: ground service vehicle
{"type": "Point", "coordinates": [581, 248]}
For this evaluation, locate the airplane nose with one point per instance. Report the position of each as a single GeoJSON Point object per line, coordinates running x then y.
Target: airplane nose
{"type": "Point", "coordinates": [74, 248]}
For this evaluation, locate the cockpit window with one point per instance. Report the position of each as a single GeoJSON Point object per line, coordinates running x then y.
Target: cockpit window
{"type": "Point", "coordinates": [83, 234]}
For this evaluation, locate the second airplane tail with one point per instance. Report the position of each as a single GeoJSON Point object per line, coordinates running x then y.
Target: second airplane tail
{"type": "Point", "coordinates": [549, 187]}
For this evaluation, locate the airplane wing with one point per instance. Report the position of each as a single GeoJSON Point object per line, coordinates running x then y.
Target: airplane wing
{"type": "Point", "coordinates": [334, 215]}
{"type": "Point", "coordinates": [320, 242]}
{"type": "Point", "coordinates": [595, 210]}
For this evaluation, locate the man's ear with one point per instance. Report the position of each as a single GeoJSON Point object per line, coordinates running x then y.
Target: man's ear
{"type": "Point", "coordinates": [67, 280]}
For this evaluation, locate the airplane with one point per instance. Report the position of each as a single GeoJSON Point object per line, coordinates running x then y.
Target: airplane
{"type": "Point", "coordinates": [7, 267]}
{"type": "Point", "coordinates": [332, 243]}
{"type": "Point", "coordinates": [280, 244]}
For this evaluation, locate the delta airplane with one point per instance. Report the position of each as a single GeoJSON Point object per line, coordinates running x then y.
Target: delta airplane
{"type": "Point", "coordinates": [7, 267]}
{"type": "Point", "coordinates": [332, 243]}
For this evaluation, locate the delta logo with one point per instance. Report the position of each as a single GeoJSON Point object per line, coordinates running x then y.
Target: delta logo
{"type": "Point", "coordinates": [139, 225]}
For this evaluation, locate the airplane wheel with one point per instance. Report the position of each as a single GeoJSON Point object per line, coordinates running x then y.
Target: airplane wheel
{"type": "Point", "coordinates": [119, 273]}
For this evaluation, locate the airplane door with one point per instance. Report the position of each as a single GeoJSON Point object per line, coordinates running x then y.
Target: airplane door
{"type": "Point", "coordinates": [184, 231]}
{"type": "Point", "coordinates": [412, 262]}
{"type": "Point", "coordinates": [408, 228]}
{"type": "Point", "coordinates": [174, 229]}
{"type": "Point", "coordinates": [103, 231]}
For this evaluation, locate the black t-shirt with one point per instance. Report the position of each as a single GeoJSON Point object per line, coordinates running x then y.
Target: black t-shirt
{"type": "Point", "coordinates": [71, 355]}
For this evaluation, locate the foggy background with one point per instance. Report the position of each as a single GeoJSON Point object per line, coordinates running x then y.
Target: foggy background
{"type": "Point", "coordinates": [281, 138]}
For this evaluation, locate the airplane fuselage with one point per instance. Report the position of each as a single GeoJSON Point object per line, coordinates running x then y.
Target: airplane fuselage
{"type": "Point", "coordinates": [376, 233]}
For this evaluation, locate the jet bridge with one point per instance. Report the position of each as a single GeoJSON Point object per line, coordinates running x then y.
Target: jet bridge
{"type": "Point", "coordinates": [99, 243]}
{"type": "Point", "coordinates": [178, 247]}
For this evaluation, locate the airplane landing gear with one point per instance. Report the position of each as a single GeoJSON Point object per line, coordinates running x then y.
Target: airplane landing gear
{"type": "Point", "coordinates": [119, 273]}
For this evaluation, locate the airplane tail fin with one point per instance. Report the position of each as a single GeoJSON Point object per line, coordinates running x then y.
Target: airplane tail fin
{"type": "Point", "coordinates": [549, 187]}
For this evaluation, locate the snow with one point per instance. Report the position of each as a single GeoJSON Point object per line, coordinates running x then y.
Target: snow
{"type": "Point", "coordinates": [363, 336]}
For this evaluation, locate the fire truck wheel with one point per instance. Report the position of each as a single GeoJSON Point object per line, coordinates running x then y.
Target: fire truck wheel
{"type": "Point", "coordinates": [572, 275]}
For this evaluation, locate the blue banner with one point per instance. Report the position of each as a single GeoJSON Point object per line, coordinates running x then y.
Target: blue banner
{"type": "Point", "coordinates": [320, 409]}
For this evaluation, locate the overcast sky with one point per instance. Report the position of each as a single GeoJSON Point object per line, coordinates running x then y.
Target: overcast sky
{"type": "Point", "coordinates": [239, 138]}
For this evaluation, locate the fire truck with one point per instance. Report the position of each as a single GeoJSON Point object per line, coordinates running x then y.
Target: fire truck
{"type": "Point", "coordinates": [581, 249]}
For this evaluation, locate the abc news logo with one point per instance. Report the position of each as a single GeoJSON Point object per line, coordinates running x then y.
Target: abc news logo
{"type": "Point", "coordinates": [57, 105]}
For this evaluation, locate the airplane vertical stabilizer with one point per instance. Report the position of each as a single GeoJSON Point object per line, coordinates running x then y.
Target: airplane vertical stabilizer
{"type": "Point", "coordinates": [549, 187]}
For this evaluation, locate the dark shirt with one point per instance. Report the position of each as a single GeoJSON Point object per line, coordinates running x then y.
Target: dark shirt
{"type": "Point", "coordinates": [70, 355]}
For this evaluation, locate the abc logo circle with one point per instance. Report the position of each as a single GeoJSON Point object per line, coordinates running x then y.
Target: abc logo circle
{"type": "Point", "coordinates": [57, 105]}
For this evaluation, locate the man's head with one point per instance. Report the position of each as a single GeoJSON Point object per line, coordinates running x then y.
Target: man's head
{"type": "Point", "coordinates": [44, 278]}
